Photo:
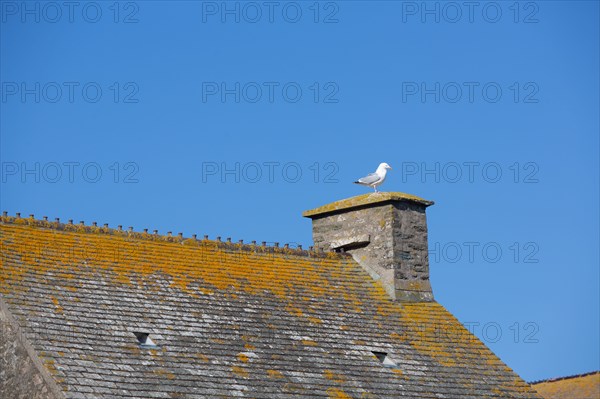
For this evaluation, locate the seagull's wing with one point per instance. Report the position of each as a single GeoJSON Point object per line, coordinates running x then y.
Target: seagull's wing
{"type": "Point", "coordinates": [369, 179]}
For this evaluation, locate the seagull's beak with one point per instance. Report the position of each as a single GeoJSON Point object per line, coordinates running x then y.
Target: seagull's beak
{"type": "Point", "coordinates": [389, 167]}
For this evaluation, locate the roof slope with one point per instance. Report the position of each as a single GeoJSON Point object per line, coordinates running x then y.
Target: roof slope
{"type": "Point", "coordinates": [245, 323]}
{"type": "Point", "coordinates": [583, 386]}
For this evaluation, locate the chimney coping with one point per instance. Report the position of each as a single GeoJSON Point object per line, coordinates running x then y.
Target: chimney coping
{"type": "Point", "coordinates": [364, 200]}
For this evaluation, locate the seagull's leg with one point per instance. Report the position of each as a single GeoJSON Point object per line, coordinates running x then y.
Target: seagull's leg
{"type": "Point", "coordinates": [375, 188]}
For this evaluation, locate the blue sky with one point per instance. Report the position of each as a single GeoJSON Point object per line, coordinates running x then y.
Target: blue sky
{"type": "Point", "coordinates": [230, 119]}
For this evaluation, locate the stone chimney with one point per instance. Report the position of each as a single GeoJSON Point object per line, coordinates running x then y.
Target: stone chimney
{"type": "Point", "coordinates": [386, 233]}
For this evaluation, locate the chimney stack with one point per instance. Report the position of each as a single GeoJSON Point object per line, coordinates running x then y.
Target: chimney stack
{"type": "Point", "coordinates": [386, 233]}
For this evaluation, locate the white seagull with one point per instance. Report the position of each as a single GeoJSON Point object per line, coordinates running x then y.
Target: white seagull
{"type": "Point", "coordinates": [375, 179]}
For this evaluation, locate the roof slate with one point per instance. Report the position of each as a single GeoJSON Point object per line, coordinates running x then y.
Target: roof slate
{"type": "Point", "coordinates": [228, 322]}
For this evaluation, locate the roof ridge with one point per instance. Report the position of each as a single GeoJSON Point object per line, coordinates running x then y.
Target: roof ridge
{"type": "Point", "coordinates": [565, 377]}
{"type": "Point", "coordinates": [81, 227]}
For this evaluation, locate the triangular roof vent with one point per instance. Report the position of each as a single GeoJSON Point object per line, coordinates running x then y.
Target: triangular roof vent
{"type": "Point", "coordinates": [385, 360]}
{"type": "Point", "coordinates": [144, 340]}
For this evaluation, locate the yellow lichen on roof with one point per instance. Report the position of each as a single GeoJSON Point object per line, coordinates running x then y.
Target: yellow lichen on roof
{"type": "Point", "coordinates": [274, 374]}
{"type": "Point", "coordinates": [240, 371]}
{"type": "Point", "coordinates": [164, 373]}
{"type": "Point", "coordinates": [335, 393]}
{"type": "Point", "coordinates": [49, 364]}
{"type": "Point", "coordinates": [59, 309]}
{"type": "Point", "coordinates": [365, 199]}
{"type": "Point", "coordinates": [429, 321]}
{"type": "Point", "coordinates": [196, 270]}
{"type": "Point", "coordinates": [333, 376]}
{"type": "Point", "coordinates": [436, 333]}
{"type": "Point", "coordinates": [581, 387]}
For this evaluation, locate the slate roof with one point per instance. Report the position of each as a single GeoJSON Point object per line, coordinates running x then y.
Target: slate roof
{"type": "Point", "coordinates": [228, 321]}
{"type": "Point", "coordinates": [581, 386]}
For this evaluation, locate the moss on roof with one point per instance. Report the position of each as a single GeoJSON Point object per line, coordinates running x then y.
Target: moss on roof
{"type": "Point", "coordinates": [363, 200]}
